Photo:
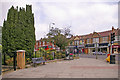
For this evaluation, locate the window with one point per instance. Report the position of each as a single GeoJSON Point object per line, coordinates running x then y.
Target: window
{"type": "Point", "coordinates": [117, 38]}
{"type": "Point", "coordinates": [95, 40]}
{"type": "Point", "coordinates": [105, 39]}
{"type": "Point", "coordinates": [77, 42]}
{"type": "Point", "coordinates": [47, 42]}
{"type": "Point", "coordinates": [39, 43]}
{"type": "Point", "coordinates": [88, 41]}
{"type": "Point", "coordinates": [81, 42]}
{"type": "Point", "coordinates": [43, 42]}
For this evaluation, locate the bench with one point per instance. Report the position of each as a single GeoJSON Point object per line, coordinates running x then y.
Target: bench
{"type": "Point", "coordinates": [38, 60]}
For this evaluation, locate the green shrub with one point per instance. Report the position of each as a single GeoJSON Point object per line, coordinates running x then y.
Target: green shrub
{"type": "Point", "coordinates": [28, 60]}
{"type": "Point", "coordinates": [63, 55]}
{"type": "Point", "coordinates": [73, 55]}
{"type": "Point", "coordinates": [9, 61]}
{"type": "Point", "coordinates": [50, 57]}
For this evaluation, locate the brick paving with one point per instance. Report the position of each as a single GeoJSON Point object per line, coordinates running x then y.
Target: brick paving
{"type": "Point", "coordinates": [77, 68]}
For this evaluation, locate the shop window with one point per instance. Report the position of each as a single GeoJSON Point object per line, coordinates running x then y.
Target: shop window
{"type": "Point", "coordinates": [77, 42]}
{"type": "Point", "coordinates": [116, 38]}
{"type": "Point", "coordinates": [105, 39]}
{"type": "Point", "coordinates": [43, 42]}
{"type": "Point", "coordinates": [95, 40]}
{"type": "Point", "coordinates": [47, 42]}
{"type": "Point", "coordinates": [88, 41]}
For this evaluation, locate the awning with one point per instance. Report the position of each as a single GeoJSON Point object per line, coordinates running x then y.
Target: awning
{"type": "Point", "coordinates": [89, 45]}
{"type": "Point", "coordinates": [103, 44]}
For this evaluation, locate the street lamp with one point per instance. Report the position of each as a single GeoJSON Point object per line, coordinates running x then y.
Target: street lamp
{"type": "Point", "coordinates": [96, 47]}
{"type": "Point", "coordinates": [76, 49]}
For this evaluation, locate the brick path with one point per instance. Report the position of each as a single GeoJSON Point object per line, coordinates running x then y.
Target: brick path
{"type": "Point", "coordinates": [77, 68]}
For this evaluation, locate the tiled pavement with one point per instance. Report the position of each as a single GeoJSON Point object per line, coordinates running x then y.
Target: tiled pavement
{"type": "Point", "coordinates": [77, 68]}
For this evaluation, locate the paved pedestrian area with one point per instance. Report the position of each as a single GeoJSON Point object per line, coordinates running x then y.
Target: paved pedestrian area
{"type": "Point", "coordinates": [77, 68]}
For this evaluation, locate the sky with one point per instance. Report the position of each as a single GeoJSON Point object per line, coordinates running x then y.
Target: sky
{"type": "Point", "coordinates": [81, 16]}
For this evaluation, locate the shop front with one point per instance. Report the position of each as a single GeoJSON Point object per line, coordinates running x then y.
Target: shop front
{"type": "Point", "coordinates": [80, 48]}
{"type": "Point", "coordinates": [89, 48]}
{"type": "Point", "coordinates": [71, 48]}
{"type": "Point", "coordinates": [116, 48]}
{"type": "Point", "coordinates": [104, 48]}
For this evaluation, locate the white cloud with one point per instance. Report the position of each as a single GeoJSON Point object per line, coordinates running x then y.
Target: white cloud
{"type": "Point", "coordinates": [83, 16]}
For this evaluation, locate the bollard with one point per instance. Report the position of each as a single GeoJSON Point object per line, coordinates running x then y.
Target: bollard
{"type": "Point", "coordinates": [14, 61]}
{"type": "Point", "coordinates": [4, 59]}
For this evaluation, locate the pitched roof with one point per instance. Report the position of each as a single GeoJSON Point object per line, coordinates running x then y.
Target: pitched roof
{"type": "Point", "coordinates": [102, 34]}
{"type": "Point", "coordinates": [107, 33]}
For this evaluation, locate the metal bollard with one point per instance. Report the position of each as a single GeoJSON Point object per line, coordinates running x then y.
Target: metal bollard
{"type": "Point", "coordinates": [14, 61]}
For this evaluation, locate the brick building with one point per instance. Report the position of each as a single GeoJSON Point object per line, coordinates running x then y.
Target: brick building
{"type": "Point", "coordinates": [87, 43]}
{"type": "Point", "coordinates": [44, 42]}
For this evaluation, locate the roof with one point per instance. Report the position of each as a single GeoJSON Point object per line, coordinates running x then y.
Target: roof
{"type": "Point", "coordinates": [102, 34]}
{"type": "Point", "coordinates": [107, 33]}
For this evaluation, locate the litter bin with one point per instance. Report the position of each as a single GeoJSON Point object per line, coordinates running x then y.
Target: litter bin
{"type": "Point", "coordinates": [21, 59]}
{"type": "Point", "coordinates": [112, 59]}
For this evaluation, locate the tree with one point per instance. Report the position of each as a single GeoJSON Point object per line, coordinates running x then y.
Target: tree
{"type": "Point", "coordinates": [18, 32]}
{"type": "Point", "coordinates": [59, 36]}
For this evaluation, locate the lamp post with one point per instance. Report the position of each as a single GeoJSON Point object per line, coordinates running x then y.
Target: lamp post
{"type": "Point", "coordinates": [14, 60]}
{"type": "Point", "coordinates": [109, 47]}
{"type": "Point", "coordinates": [96, 47]}
{"type": "Point", "coordinates": [76, 49]}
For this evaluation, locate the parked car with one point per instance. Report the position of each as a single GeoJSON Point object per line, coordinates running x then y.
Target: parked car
{"type": "Point", "coordinates": [99, 53]}
{"type": "Point", "coordinates": [103, 53]}
{"type": "Point", "coordinates": [94, 53]}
